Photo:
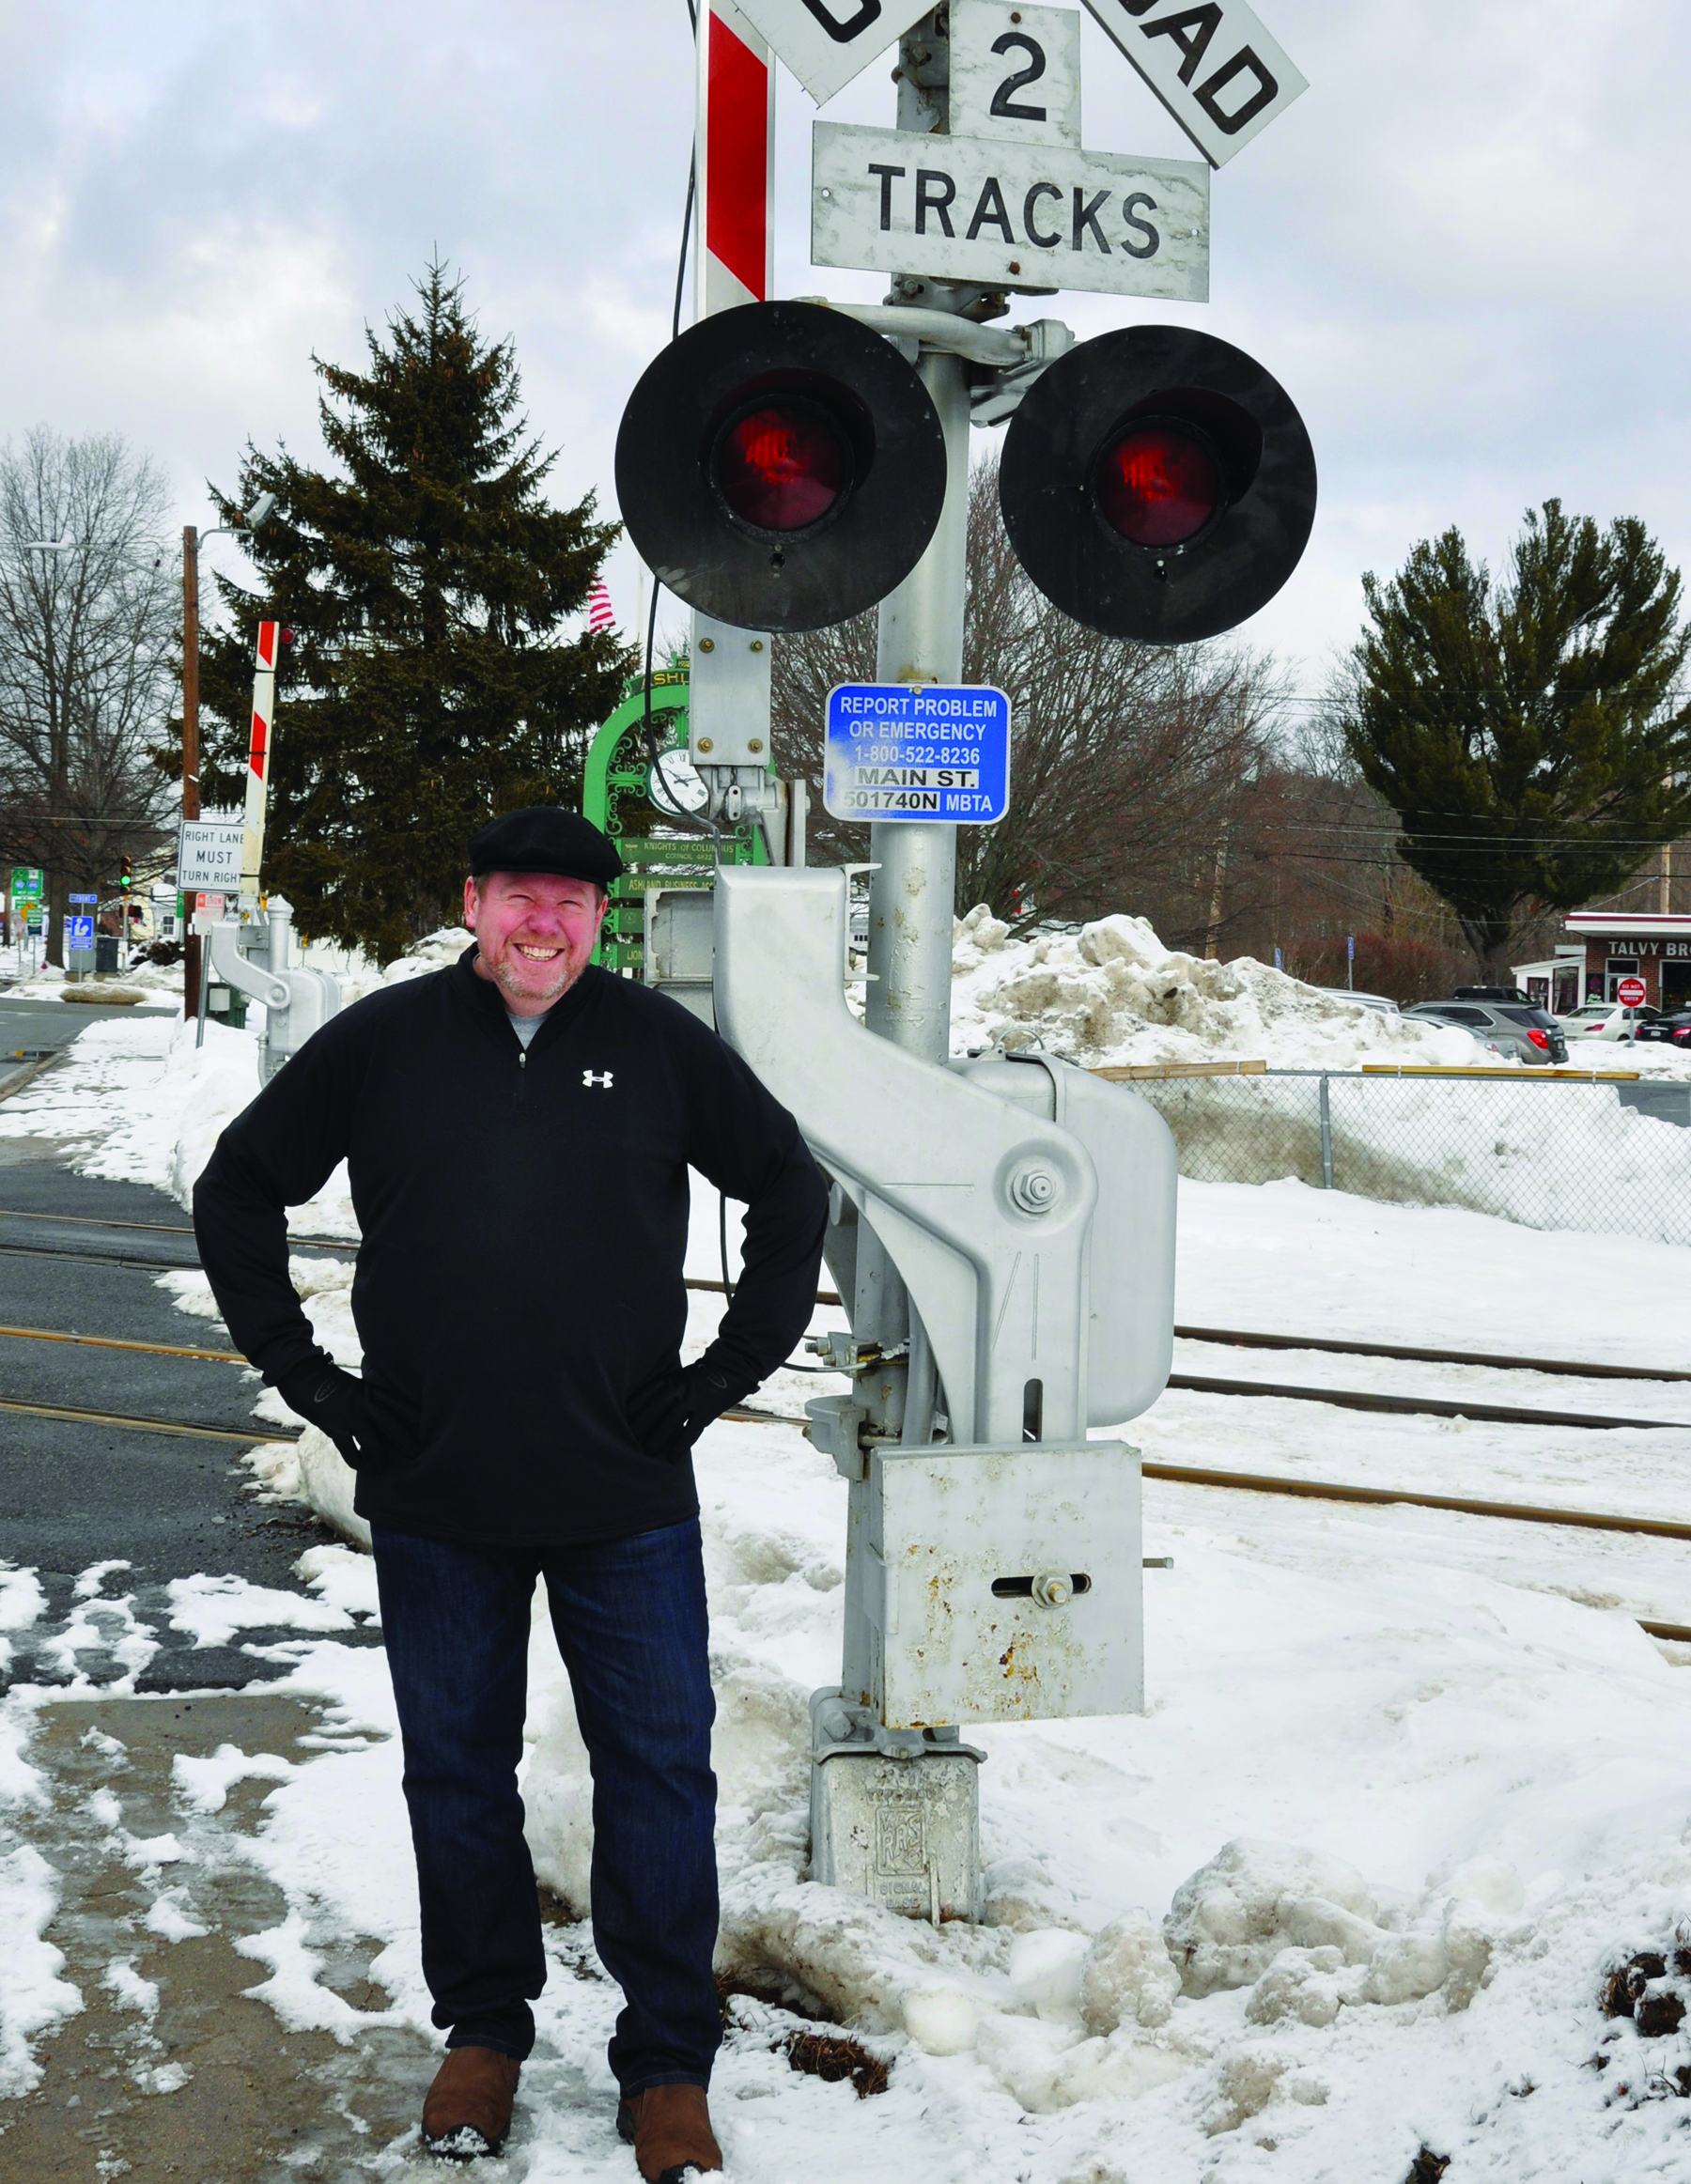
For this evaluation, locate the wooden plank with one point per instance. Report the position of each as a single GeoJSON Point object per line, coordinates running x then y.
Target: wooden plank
{"type": "Point", "coordinates": [1128, 1072]}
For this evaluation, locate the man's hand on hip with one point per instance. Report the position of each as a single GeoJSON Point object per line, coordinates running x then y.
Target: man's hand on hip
{"type": "Point", "coordinates": [333, 1401]}
{"type": "Point", "coordinates": [667, 1415]}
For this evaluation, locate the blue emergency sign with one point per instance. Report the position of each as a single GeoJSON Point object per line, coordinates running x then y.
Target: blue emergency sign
{"type": "Point", "coordinates": [918, 750]}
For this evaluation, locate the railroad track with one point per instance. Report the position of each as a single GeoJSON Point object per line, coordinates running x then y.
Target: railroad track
{"type": "Point", "coordinates": [1236, 1336]}
{"type": "Point", "coordinates": [1344, 1399]}
{"type": "Point", "coordinates": [1176, 1473]}
{"type": "Point", "coordinates": [1230, 1482]}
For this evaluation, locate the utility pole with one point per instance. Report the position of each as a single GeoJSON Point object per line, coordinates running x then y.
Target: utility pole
{"type": "Point", "coordinates": [190, 799]}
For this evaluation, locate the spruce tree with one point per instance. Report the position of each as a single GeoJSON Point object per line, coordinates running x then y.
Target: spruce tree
{"type": "Point", "coordinates": [1532, 735]}
{"type": "Point", "coordinates": [428, 684]}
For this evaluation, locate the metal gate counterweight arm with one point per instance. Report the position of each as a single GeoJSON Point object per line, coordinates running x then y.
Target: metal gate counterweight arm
{"type": "Point", "coordinates": [984, 1208]}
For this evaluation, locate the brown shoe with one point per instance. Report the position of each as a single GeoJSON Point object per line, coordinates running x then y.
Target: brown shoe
{"type": "Point", "coordinates": [467, 2111]}
{"type": "Point", "coordinates": [669, 2129]}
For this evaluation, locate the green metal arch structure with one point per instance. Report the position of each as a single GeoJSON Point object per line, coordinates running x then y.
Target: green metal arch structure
{"type": "Point", "coordinates": [616, 797]}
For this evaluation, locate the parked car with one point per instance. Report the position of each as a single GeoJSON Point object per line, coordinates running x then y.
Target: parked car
{"type": "Point", "coordinates": [1516, 1031]}
{"type": "Point", "coordinates": [1669, 1031]}
{"type": "Point", "coordinates": [1380, 1003]}
{"type": "Point", "coordinates": [1607, 1020]}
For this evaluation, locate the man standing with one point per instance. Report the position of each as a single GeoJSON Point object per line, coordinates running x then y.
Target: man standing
{"type": "Point", "coordinates": [518, 1130]}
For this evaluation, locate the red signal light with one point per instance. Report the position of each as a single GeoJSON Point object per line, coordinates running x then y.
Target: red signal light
{"type": "Point", "coordinates": [1156, 485]}
{"type": "Point", "coordinates": [780, 467]}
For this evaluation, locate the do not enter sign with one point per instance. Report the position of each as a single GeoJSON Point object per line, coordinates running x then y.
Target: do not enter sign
{"type": "Point", "coordinates": [1630, 993]}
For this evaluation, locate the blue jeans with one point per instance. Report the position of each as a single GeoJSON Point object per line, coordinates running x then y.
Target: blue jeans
{"type": "Point", "coordinates": [630, 1622]}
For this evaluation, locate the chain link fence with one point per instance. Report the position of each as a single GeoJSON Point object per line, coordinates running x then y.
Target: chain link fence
{"type": "Point", "coordinates": [1547, 1152]}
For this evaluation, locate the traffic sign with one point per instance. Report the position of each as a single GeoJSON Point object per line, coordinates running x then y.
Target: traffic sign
{"type": "Point", "coordinates": [827, 42]}
{"type": "Point", "coordinates": [208, 855]}
{"type": "Point", "coordinates": [78, 936]}
{"type": "Point", "coordinates": [1213, 66]}
{"type": "Point", "coordinates": [82, 898]}
{"type": "Point", "coordinates": [921, 752]}
{"type": "Point", "coordinates": [1015, 73]}
{"type": "Point", "coordinates": [1041, 216]}
{"type": "Point", "coordinates": [1630, 993]}
{"type": "Point", "coordinates": [28, 884]}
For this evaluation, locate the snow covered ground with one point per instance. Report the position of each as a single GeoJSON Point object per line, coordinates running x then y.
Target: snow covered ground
{"type": "Point", "coordinates": [1409, 1785]}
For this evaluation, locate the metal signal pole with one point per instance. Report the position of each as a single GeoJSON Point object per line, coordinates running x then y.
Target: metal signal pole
{"type": "Point", "coordinates": [912, 891]}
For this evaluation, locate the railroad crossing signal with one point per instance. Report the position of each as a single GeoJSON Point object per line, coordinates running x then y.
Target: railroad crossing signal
{"type": "Point", "coordinates": [780, 467]}
{"type": "Point", "coordinates": [1158, 484]}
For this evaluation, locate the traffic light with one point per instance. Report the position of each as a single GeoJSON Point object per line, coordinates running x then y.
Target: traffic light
{"type": "Point", "coordinates": [1158, 484]}
{"type": "Point", "coordinates": [780, 467]}
{"type": "Point", "coordinates": [126, 876]}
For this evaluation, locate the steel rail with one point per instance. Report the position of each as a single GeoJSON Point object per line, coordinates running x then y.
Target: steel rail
{"type": "Point", "coordinates": [1383, 1496]}
{"type": "Point", "coordinates": [1415, 1356]}
{"type": "Point", "coordinates": [157, 1228]}
{"type": "Point", "coordinates": [67, 1416]}
{"type": "Point", "coordinates": [118, 1342]}
{"type": "Point", "coordinates": [1429, 1406]}
{"type": "Point", "coordinates": [15, 1251]}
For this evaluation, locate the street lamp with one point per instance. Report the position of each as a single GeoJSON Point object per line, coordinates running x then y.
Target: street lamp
{"type": "Point", "coordinates": [261, 512]}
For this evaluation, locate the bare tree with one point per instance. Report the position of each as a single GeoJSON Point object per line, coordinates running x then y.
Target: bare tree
{"type": "Point", "coordinates": [87, 623]}
{"type": "Point", "coordinates": [1128, 762]}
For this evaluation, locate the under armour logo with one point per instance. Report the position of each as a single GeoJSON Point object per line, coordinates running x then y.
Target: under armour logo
{"type": "Point", "coordinates": [602, 1079]}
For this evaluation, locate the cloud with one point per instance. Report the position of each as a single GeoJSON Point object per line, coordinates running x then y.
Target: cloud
{"type": "Point", "coordinates": [1462, 250]}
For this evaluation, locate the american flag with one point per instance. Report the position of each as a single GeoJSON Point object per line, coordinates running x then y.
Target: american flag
{"type": "Point", "coordinates": [599, 615]}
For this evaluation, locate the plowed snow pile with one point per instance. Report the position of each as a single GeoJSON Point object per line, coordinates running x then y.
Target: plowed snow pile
{"type": "Point", "coordinates": [1113, 994]}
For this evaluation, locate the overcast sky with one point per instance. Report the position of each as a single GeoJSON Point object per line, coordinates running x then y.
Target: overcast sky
{"type": "Point", "coordinates": [1462, 250]}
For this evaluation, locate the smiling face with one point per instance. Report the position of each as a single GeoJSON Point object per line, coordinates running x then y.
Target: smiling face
{"type": "Point", "coordinates": [536, 933]}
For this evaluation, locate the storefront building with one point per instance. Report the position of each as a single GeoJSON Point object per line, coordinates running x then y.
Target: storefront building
{"type": "Point", "coordinates": [1622, 945]}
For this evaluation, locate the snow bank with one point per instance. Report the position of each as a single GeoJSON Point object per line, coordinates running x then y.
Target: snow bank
{"type": "Point", "coordinates": [1113, 995]}
{"type": "Point", "coordinates": [1543, 1152]}
{"type": "Point", "coordinates": [1547, 1155]}
{"type": "Point", "coordinates": [1477, 1799]}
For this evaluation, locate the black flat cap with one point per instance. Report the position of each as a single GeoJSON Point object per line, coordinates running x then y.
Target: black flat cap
{"type": "Point", "coordinates": [544, 839]}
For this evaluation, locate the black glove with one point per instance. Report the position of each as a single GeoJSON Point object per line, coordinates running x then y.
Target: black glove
{"type": "Point", "coordinates": [667, 1415]}
{"type": "Point", "coordinates": [332, 1401]}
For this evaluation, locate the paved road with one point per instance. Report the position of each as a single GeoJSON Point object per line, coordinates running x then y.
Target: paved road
{"type": "Point", "coordinates": [30, 1028]}
{"type": "Point", "coordinates": [73, 1494]}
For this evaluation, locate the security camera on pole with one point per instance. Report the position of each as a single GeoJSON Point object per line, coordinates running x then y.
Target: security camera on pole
{"type": "Point", "coordinates": [1003, 1227]}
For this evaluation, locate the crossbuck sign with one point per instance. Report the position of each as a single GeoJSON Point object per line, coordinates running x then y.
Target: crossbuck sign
{"type": "Point", "coordinates": [827, 42]}
{"type": "Point", "coordinates": [1213, 65]}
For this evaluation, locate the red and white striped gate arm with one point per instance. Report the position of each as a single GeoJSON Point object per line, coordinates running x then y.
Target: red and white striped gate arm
{"type": "Point", "coordinates": [734, 145]}
{"type": "Point", "coordinates": [258, 747]}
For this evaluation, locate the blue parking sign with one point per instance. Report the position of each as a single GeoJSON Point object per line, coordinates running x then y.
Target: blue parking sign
{"type": "Point", "coordinates": [919, 752]}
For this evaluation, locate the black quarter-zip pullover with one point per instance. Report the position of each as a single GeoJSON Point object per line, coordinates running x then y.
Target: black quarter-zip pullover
{"type": "Point", "coordinates": [523, 1217]}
